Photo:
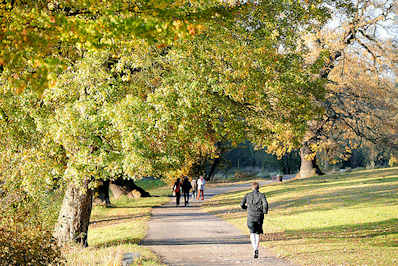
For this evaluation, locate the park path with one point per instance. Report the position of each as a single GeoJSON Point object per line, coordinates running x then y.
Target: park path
{"type": "Point", "coordinates": [191, 236]}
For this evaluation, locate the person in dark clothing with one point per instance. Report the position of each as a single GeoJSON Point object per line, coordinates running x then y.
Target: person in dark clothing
{"type": "Point", "coordinates": [186, 187]}
{"type": "Point", "coordinates": [256, 204]}
{"type": "Point", "coordinates": [177, 191]}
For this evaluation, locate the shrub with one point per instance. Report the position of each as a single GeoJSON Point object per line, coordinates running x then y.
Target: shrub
{"type": "Point", "coordinates": [24, 238]}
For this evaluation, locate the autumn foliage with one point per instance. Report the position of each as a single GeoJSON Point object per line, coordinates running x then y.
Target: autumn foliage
{"type": "Point", "coordinates": [24, 238]}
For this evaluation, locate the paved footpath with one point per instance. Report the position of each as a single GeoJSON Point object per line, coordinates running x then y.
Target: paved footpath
{"type": "Point", "coordinates": [191, 236]}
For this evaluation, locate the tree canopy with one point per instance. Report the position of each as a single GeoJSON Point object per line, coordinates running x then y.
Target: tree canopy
{"type": "Point", "coordinates": [94, 91]}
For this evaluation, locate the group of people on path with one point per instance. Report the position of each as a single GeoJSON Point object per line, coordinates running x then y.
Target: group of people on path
{"type": "Point", "coordinates": [196, 185]}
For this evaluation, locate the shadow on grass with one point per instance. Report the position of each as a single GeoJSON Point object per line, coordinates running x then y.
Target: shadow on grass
{"type": "Point", "coordinates": [384, 195]}
{"type": "Point", "coordinates": [118, 242]}
{"type": "Point", "coordinates": [366, 231]}
{"type": "Point", "coordinates": [376, 191]}
{"type": "Point", "coordinates": [330, 182]}
{"type": "Point", "coordinates": [118, 218]}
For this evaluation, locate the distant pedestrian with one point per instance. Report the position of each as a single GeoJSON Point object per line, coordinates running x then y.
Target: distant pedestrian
{"type": "Point", "coordinates": [186, 188]}
{"type": "Point", "coordinates": [201, 188]}
{"type": "Point", "coordinates": [177, 191]}
{"type": "Point", "coordinates": [194, 184]}
{"type": "Point", "coordinates": [256, 204]}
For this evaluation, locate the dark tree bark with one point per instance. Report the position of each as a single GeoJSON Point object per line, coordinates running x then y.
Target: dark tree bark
{"type": "Point", "coordinates": [103, 193]}
{"type": "Point", "coordinates": [213, 168]}
{"type": "Point", "coordinates": [74, 217]}
{"type": "Point", "coordinates": [308, 167]}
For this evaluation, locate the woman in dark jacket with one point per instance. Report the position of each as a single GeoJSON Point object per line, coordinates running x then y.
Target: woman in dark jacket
{"type": "Point", "coordinates": [186, 187]}
{"type": "Point", "coordinates": [177, 191]}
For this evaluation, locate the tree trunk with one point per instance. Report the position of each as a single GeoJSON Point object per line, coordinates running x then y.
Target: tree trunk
{"type": "Point", "coordinates": [127, 187]}
{"type": "Point", "coordinates": [213, 168]}
{"type": "Point", "coordinates": [308, 166]}
{"type": "Point", "coordinates": [74, 217]}
{"type": "Point", "coordinates": [117, 191]}
{"type": "Point", "coordinates": [103, 194]}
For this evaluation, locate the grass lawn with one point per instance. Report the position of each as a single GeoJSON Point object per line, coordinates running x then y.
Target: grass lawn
{"type": "Point", "coordinates": [118, 230]}
{"type": "Point", "coordinates": [340, 219]}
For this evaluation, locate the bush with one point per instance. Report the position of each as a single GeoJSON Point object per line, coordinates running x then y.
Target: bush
{"type": "Point", "coordinates": [24, 238]}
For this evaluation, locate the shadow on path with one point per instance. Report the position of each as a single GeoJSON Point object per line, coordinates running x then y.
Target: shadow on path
{"type": "Point", "coordinates": [195, 241]}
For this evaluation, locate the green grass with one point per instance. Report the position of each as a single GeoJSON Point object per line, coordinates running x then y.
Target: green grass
{"type": "Point", "coordinates": [150, 184]}
{"type": "Point", "coordinates": [342, 219]}
{"type": "Point", "coordinates": [119, 230]}
{"type": "Point", "coordinates": [234, 179]}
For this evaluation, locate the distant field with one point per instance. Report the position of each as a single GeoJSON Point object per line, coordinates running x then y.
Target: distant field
{"type": "Point", "coordinates": [118, 230]}
{"type": "Point", "coordinates": [341, 219]}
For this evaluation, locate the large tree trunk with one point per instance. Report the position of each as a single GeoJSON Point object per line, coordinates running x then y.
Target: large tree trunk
{"type": "Point", "coordinates": [103, 194]}
{"type": "Point", "coordinates": [213, 168]}
{"type": "Point", "coordinates": [308, 166]}
{"type": "Point", "coordinates": [74, 217]}
{"type": "Point", "coordinates": [127, 187]}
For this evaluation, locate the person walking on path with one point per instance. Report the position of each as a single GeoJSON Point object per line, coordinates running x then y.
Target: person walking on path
{"type": "Point", "coordinates": [177, 191]}
{"type": "Point", "coordinates": [256, 204]}
{"type": "Point", "coordinates": [186, 187]}
{"type": "Point", "coordinates": [194, 184]}
{"type": "Point", "coordinates": [201, 188]}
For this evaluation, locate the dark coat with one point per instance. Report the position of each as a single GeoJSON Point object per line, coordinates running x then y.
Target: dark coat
{"type": "Point", "coordinates": [186, 186]}
{"type": "Point", "coordinates": [256, 204]}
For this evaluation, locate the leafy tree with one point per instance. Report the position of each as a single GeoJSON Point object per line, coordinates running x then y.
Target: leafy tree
{"type": "Point", "coordinates": [38, 39]}
{"type": "Point", "coordinates": [359, 102]}
{"type": "Point", "coordinates": [258, 71]}
{"type": "Point", "coordinates": [121, 104]}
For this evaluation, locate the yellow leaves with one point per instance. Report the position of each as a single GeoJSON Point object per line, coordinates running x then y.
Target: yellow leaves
{"type": "Point", "coordinates": [52, 83]}
{"type": "Point", "coordinates": [20, 89]}
{"type": "Point", "coordinates": [191, 29]}
{"type": "Point", "coordinates": [24, 238]}
{"type": "Point", "coordinates": [194, 29]}
{"type": "Point", "coordinates": [52, 80]}
{"type": "Point", "coordinates": [177, 24]}
{"type": "Point", "coordinates": [162, 45]}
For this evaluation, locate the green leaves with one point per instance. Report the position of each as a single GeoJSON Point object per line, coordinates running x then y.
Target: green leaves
{"type": "Point", "coordinates": [149, 87]}
{"type": "Point", "coordinates": [38, 38]}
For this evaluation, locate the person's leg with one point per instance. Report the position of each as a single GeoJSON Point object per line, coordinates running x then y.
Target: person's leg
{"type": "Point", "coordinates": [186, 197]}
{"type": "Point", "coordinates": [203, 194]}
{"type": "Point", "coordinates": [253, 240]}
{"type": "Point", "coordinates": [178, 195]}
{"type": "Point", "coordinates": [256, 241]}
{"type": "Point", "coordinates": [254, 235]}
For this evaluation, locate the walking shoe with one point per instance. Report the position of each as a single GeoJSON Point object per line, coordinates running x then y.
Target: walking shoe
{"type": "Point", "coordinates": [256, 254]}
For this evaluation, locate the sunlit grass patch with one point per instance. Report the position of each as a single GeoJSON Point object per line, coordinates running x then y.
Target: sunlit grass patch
{"type": "Point", "coordinates": [342, 219]}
